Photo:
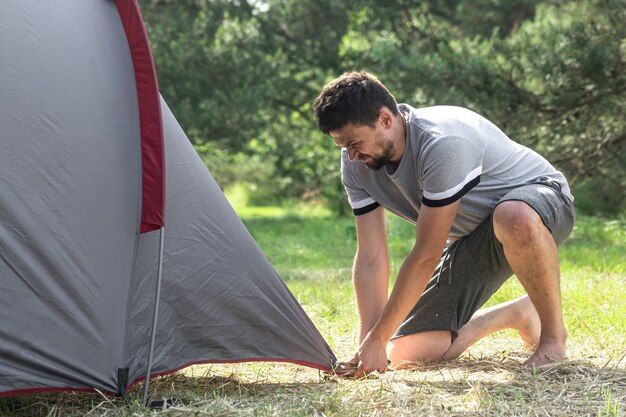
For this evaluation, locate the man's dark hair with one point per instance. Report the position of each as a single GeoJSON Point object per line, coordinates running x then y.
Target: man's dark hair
{"type": "Point", "coordinates": [354, 97]}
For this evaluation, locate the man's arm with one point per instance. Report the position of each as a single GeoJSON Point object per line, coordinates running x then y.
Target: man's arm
{"type": "Point", "coordinates": [370, 272]}
{"type": "Point", "coordinates": [433, 226]}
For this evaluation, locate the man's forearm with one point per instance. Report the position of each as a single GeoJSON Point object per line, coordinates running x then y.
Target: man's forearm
{"type": "Point", "coordinates": [431, 232]}
{"type": "Point", "coordinates": [371, 283]}
{"type": "Point", "coordinates": [410, 284]}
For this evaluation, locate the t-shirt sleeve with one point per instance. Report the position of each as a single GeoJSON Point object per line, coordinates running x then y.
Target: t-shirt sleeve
{"type": "Point", "coordinates": [452, 167]}
{"type": "Point", "coordinates": [359, 199]}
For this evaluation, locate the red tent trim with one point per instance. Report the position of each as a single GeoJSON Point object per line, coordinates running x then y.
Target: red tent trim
{"type": "Point", "coordinates": [151, 125]}
{"type": "Point", "coordinates": [317, 366]}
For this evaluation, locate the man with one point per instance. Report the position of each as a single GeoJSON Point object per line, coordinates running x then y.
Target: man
{"type": "Point", "coordinates": [490, 205]}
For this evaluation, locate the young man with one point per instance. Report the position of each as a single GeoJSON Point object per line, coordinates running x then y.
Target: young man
{"type": "Point", "coordinates": [492, 207]}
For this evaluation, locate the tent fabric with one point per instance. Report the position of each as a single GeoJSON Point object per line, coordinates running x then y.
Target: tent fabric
{"type": "Point", "coordinates": [77, 279]}
{"type": "Point", "coordinates": [70, 196]}
{"type": "Point", "coordinates": [267, 320]}
{"type": "Point", "coordinates": [151, 127]}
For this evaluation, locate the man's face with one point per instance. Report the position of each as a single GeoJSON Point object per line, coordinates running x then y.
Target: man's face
{"type": "Point", "coordinates": [369, 145]}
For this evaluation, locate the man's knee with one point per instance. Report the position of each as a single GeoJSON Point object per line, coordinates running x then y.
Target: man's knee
{"type": "Point", "coordinates": [419, 347]}
{"type": "Point", "coordinates": [516, 222]}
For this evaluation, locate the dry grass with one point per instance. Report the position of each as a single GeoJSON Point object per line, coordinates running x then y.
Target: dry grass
{"type": "Point", "coordinates": [491, 384]}
{"type": "Point", "coordinates": [486, 381]}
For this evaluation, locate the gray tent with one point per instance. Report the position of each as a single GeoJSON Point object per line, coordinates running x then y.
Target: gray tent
{"type": "Point", "coordinates": [92, 166]}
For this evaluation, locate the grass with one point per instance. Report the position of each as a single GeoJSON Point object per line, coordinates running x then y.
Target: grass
{"type": "Point", "coordinates": [312, 251]}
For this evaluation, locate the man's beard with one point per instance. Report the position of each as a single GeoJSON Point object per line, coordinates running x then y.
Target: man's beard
{"type": "Point", "coordinates": [383, 159]}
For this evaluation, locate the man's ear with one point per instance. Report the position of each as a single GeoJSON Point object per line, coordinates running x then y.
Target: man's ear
{"type": "Point", "coordinates": [385, 117]}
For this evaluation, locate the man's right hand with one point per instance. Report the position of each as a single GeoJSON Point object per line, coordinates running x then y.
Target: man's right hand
{"type": "Point", "coordinates": [375, 360]}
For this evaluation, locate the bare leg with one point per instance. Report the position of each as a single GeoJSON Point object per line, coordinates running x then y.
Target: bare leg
{"type": "Point", "coordinates": [419, 347]}
{"type": "Point", "coordinates": [518, 314]}
{"type": "Point", "coordinates": [532, 254]}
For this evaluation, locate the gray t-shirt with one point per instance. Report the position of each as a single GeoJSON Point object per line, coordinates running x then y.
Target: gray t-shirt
{"type": "Point", "coordinates": [450, 153]}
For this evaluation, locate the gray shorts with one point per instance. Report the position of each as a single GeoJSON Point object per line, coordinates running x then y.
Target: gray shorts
{"type": "Point", "coordinates": [473, 268]}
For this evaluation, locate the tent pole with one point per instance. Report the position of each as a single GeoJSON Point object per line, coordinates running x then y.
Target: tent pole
{"type": "Point", "coordinates": [154, 318]}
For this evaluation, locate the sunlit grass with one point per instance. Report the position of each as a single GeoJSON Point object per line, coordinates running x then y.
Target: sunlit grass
{"type": "Point", "coordinates": [596, 245]}
{"type": "Point", "coordinates": [313, 253]}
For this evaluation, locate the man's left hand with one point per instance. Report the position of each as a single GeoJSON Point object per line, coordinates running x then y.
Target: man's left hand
{"type": "Point", "coordinates": [372, 357]}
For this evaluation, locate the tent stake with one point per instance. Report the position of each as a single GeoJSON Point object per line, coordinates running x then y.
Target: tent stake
{"type": "Point", "coordinates": [154, 318]}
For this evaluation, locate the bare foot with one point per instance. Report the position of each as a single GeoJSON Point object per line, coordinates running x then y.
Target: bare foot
{"type": "Point", "coordinates": [551, 349]}
{"type": "Point", "coordinates": [529, 325]}
{"type": "Point", "coordinates": [546, 354]}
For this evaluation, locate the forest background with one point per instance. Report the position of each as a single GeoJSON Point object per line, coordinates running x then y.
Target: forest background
{"type": "Point", "coordinates": [241, 76]}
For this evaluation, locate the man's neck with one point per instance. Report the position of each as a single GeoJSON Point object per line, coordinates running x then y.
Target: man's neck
{"type": "Point", "coordinates": [399, 140]}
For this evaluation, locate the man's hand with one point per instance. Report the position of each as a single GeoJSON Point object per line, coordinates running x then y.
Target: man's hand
{"type": "Point", "coordinates": [371, 357]}
{"type": "Point", "coordinates": [432, 228]}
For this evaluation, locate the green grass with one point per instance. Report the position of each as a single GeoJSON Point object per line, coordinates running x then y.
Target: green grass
{"type": "Point", "coordinates": [596, 245]}
{"type": "Point", "coordinates": [312, 251]}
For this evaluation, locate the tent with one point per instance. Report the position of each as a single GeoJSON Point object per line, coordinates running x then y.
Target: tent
{"type": "Point", "coordinates": [107, 215]}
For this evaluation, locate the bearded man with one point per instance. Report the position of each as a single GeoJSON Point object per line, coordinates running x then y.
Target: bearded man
{"type": "Point", "coordinates": [484, 208]}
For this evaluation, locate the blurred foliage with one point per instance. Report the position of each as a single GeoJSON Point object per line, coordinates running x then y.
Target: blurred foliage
{"type": "Point", "coordinates": [241, 75]}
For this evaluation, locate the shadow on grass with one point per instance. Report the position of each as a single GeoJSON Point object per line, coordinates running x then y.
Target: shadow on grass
{"type": "Point", "coordinates": [176, 391]}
